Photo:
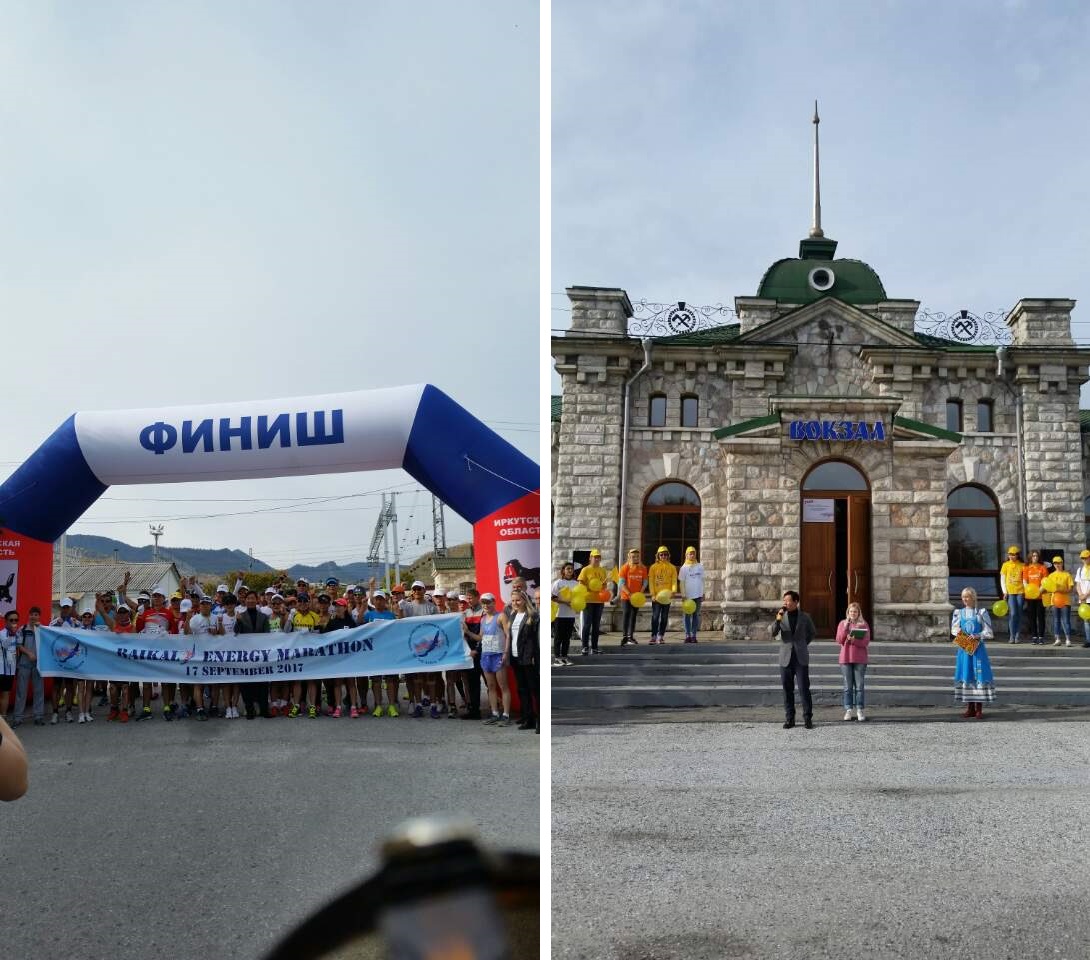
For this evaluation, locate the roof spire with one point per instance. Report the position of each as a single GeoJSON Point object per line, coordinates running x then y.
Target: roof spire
{"type": "Point", "coordinates": [815, 229]}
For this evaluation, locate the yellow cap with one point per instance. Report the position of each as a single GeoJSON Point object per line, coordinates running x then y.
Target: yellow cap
{"type": "Point", "coordinates": [662, 550]}
{"type": "Point", "coordinates": [596, 552]}
{"type": "Point", "coordinates": [1057, 559]}
{"type": "Point", "coordinates": [1084, 554]}
{"type": "Point", "coordinates": [1011, 551]}
{"type": "Point", "coordinates": [690, 549]}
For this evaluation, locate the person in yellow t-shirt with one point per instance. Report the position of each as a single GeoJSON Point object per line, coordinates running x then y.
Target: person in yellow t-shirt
{"type": "Point", "coordinates": [1010, 579]}
{"type": "Point", "coordinates": [1062, 585]}
{"type": "Point", "coordinates": [661, 576]}
{"type": "Point", "coordinates": [590, 575]}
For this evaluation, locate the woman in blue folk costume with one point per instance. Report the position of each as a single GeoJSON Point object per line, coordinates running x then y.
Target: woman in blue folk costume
{"type": "Point", "coordinates": [974, 684]}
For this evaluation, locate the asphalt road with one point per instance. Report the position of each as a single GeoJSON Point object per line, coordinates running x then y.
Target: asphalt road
{"type": "Point", "coordinates": [912, 835]}
{"type": "Point", "coordinates": [210, 840]}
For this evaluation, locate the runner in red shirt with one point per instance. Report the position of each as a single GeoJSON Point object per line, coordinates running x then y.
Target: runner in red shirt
{"type": "Point", "coordinates": [158, 619]}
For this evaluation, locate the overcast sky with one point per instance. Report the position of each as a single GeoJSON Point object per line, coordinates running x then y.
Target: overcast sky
{"type": "Point", "coordinates": [954, 144]}
{"type": "Point", "coordinates": [248, 200]}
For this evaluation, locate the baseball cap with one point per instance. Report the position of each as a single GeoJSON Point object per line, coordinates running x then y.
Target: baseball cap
{"type": "Point", "coordinates": [340, 602]}
{"type": "Point", "coordinates": [176, 595]}
{"type": "Point", "coordinates": [206, 599]}
{"type": "Point", "coordinates": [222, 588]}
{"type": "Point", "coordinates": [121, 608]}
{"type": "Point", "coordinates": [594, 553]}
{"type": "Point", "coordinates": [452, 594]}
{"type": "Point", "coordinates": [67, 602]}
{"type": "Point", "coordinates": [488, 596]}
{"type": "Point", "coordinates": [303, 597]}
{"type": "Point", "coordinates": [397, 588]}
{"type": "Point", "coordinates": [663, 550]}
{"type": "Point", "coordinates": [269, 590]}
{"type": "Point", "coordinates": [380, 593]}
{"type": "Point", "coordinates": [351, 588]}
{"type": "Point", "coordinates": [276, 596]}
{"type": "Point", "coordinates": [1057, 559]}
{"type": "Point", "coordinates": [1084, 554]}
{"type": "Point", "coordinates": [187, 605]}
{"type": "Point", "coordinates": [323, 597]}
{"type": "Point", "coordinates": [1011, 551]}
{"type": "Point", "coordinates": [332, 581]}
{"type": "Point", "coordinates": [143, 595]}
{"type": "Point", "coordinates": [418, 583]}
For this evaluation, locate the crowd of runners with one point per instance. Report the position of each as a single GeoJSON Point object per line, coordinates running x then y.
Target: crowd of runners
{"type": "Point", "coordinates": [501, 639]}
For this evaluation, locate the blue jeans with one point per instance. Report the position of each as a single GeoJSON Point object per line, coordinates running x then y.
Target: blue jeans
{"type": "Point", "coordinates": [1015, 601]}
{"type": "Point", "coordinates": [27, 672]}
{"type": "Point", "coordinates": [853, 674]}
{"type": "Point", "coordinates": [692, 620]}
{"type": "Point", "coordinates": [592, 625]}
{"type": "Point", "coordinates": [660, 613]}
{"type": "Point", "coordinates": [1061, 616]}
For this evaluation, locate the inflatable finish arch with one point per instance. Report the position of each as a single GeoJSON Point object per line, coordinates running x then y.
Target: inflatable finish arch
{"type": "Point", "coordinates": [418, 428]}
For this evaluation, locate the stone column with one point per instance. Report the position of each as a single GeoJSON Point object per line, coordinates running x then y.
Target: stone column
{"type": "Point", "coordinates": [1041, 323]}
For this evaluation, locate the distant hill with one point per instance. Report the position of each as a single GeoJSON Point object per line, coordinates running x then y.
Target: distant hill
{"type": "Point", "coordinates": [191, 560]}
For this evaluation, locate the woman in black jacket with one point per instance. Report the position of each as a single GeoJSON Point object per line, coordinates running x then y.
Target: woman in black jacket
{"type": "Point", "coordinates": [523, 628]}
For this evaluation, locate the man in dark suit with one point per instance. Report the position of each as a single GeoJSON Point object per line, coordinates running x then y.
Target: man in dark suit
{"type": "Point", "coordinates": [795, 630]}
{"type": "Point", "coordinates": [252, 620]}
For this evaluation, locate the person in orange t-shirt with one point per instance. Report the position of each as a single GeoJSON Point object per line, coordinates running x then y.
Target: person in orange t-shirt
{"type": "Point", "coordinates": [633, 579]}
{"type": "Point", "coordinates": [1032, 575]}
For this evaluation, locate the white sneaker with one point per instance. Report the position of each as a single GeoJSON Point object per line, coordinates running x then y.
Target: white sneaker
{"type": "Point", "coordinates": [1056, 642]}
{"type": "Point", "coordinates": [1068, 644]}
{"type": "Point", "coordinates": [68, 713]}
{"type": "Point", "coordinates": [89, 718]}
{"type": "Point", "coordinates": [860, 716]}
{"type": "Point", "coordinates": [82, 718]}
{"type": "Point", "coordinates": [847, 714]}
{"type": "Point", "coordinates": [234, 713]}
{"type": "Point", "coordinates": [53, 720]}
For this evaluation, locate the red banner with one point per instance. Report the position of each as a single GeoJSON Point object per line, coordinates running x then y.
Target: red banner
{"type": "Point", "coordinates": [507, 544]}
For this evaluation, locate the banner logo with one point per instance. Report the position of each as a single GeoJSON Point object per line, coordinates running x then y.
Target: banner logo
{"type": "Point", "coordinates": [69, 654]}
{"type": "Point", "coordinates": [428, 643]}
{"type": "Point", "coordinates": [202, 435]}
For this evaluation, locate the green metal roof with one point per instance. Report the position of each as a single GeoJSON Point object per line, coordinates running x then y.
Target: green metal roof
{"type": "Point", "coordinates": [920, 427]}
{"type": "Point", "coordinates": [788, 282]}
{"type": "Point", "coordinates": [558, 405]}
{"type": "Point", "coordinates": [752, 424]}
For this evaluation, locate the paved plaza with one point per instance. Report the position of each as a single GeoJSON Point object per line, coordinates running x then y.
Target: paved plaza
{"type": "Point", "coordinates": [210, 840]}
{"type": "Point", "coordinates": [717, 834]}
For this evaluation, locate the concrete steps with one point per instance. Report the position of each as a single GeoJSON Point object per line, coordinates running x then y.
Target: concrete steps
{"type": "Point", "coordinates": [713, 674]}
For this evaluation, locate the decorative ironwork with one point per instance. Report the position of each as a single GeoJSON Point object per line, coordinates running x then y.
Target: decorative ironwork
{"type": "Point", "coordinates": [670, 319]}
{"type": "Point", "coordinates": [962, 326]}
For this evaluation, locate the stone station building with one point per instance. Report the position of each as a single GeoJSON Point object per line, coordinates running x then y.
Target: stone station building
{"type": "Point", "coordinates": [821, 443]}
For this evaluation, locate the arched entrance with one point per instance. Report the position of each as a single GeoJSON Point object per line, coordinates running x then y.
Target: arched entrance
{"type": "Point", "coordinates": [835, 543]}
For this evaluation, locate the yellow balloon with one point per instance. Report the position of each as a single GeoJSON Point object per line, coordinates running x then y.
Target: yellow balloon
{"type": "Point", "coordinates": [1048, 584]}
{"type": "Point", "coordinates": [1046, 599]}
{"type": "Point", "coordinates": [578, 603]}
{"type": "Point", "coordinates": [579, 590]}
{"type": "Point", "coordinates": [594, 584]}
{"type": "Point", "coordinates": [663, 596]}
{"type": "Point", "coordinates": [1084, 611]}
{"type": "Point", "coordinates": [637, 599]}
{"type": "Point", "coordinates": [556, 609]}
{"type": "Point", "coordinates": [688, 606]}
{"type": "Point", "coordinates": [565, 594]}
{"type": "Point", "coordinates": [1033, 592]}
{"type": "Point", "coordinates": [1000, 608]}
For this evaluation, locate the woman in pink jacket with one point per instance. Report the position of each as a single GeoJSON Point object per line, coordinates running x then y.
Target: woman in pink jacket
{"type": "Point", "coordinates": [853, 635]}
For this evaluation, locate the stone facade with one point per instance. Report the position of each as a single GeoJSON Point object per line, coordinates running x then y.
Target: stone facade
{"type": "Point", "coordinates": [823, 360]}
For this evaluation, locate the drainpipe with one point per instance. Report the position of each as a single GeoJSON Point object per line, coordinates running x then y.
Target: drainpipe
{"type": "Point", "coordinates": [646, 342]}
{"type": "Point", "coordinates": [1023, 521]}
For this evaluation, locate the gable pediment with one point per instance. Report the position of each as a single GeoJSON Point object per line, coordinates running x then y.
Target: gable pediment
{"type": "Point", "coordinates": [835, 319]}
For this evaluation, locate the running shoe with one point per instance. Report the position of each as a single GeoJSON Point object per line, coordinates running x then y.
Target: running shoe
{"type": "Point", "coordinates": [183, 711]}
{"type": "Point", "coordinates": [391, 711]}
{"type": "Point", "coordinates": [336, 714]}
{"type": "Point", "coordinates": [377, 712]}
{"type": "Point", "coordinates": [201, 713]}
{"type": "Point", "coordinates": [504, 721]}
{"type": "Point", "coordinates": [492, 718]}
{"type": "Point", "coordinates": [54, 719]}
{"type": "Point", "coordinates": [312, 713]}
{"type": "Point", "coordinates": [82, 718]}
{"type": "Point", "coordinates": [90, 718]}
{"type": "Point", "coordinates": [435, 714]}
{"type": "Point", "coordinates": [426, 701]}
{"type": "Point", "coordinates": [67, 716]}
{"type": "Point", "coordinates": [273, 711]}
{"type": "Point", "coordinates": [123, 716]}
{"type": "Point", "coordinates": [145, 714]}
{"type": "Point", "coordinates": [168, 712]}
{"type": "Point", "coordinates": [585, 652]}
{"type": "Point", "coordinates": [418, 710]}
{"type": "Point", "coordinates": [452, 713]}
{"type": "Point", "coordinates": [113, 714]}
{"type": "Point", "coordinates": [354, 712]}
{"type": "Point", "coordinates": [294, 711]}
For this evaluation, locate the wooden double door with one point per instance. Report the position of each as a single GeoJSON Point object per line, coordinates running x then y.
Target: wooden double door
{"type": "Point", "coordinates": [835, 556]}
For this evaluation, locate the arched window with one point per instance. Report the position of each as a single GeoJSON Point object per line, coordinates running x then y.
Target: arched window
{"type": "Point", "coordinates": [953, 416]}
{"type": "Point", "coordinates": [656, 411]}
{"type": "Point", "coordinates": [834, 475]}
{"type": "Point", "coordinates": [671, 519]}
{"type": "Point", "coordinates": [974, 540]}
{"type": "Point", "coordinates": [985, 416]}
{"type": "Point", "coordinates": [689, 409]}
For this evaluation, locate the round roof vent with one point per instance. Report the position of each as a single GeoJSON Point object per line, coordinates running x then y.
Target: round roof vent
{"type": "Point", "coordinates": [821, 279]}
